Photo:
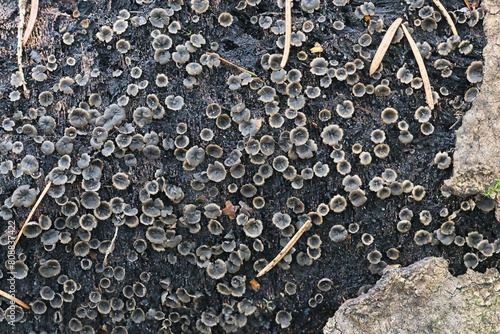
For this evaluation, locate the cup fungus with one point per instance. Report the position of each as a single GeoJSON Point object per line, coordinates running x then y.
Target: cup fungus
{"type": "Point", "coordinates": [332, 134]}
{"type": "Point", "coordinates": [473, 239]}
{"type": "Point", "coordinates": [475, 72]}
{"type": "Point", "coordinates": [422, 237]}
{"type": "Point", "coordinates": [471, 260]}
{"type": "Point", "coordinates": [159, 17]}
{"type": "Point", "coordinates": [367, 239]}
{"type": "Point", "coordinates": [403, 226]}
{"type": "Point", "coordinates": [50, 268]}
{"type": "Point", "coordinates": [471, 94]}
{"type": "Point", "coordinates": [320, 169]}
{"type": "Point", "coordinates": [338, 233]}
{"type": "Point", "coordinates": [223, 121]}
{"type": "Point", "coordinates": [389, 115]}
{"type": "Point", "coordinates": [381, 151]}
{"type": "Point", "coordinates": [313, 92]}
{"type": "Point", "coordinates": [351, 183]}
{"type": "Point", "coordinates": [377, 136]}
{"type": "Point", "coordinates": [485, 203]}
{"type": "Point", "coordinates": [216, 172]}
{"type": "Point", "coordinates": [442, 160]}
{"type": "Point", "coordinates": [405, 137]}
{"type": "Point", "coordinates": [24, 196]}
{"type": "Point", "coordinates": [47, 147]}
{"type": "Point", "coordinates": [281, 220]}
{"type": "Point", "coordinates": [217, 269]}
{"type": "Point", "coordinates": [359, 89]}
{"type": "Point", "coordinates": [345, 109]}
{"type": "Point", "coordinates": [374, 257]}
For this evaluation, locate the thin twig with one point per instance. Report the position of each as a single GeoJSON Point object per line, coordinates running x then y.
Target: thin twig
{"type": "Point", "coordinates": [447, 16]}
{"type": "Point", "coordinates": [384, 45]}
{"type": "Point", "coordinates": [32, 212]}
{"type": "Point", "coordinates": [20, 26]}
{"type": "Point", "coordinates": [421, 67]}
{"type": "Point", "coordinates": [288, 32]}
{"type": "Point", "coordinates": [111, 247]}
{"type": "Point", "coordinates": [31, 21]}
{"type": "Point", "coordinates": [234, 65]}
{"type": "Point", "coordinates": [14, 299]}
{"type": "Point", "coordinates": [286, 249]}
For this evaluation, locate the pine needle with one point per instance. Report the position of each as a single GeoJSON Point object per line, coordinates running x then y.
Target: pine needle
{"type": "Point", "coordinates": [447, 16]}
{"type": "Point", "coordinates": [14, 299]}
{"type": "Point", "coordinates": [47, 187]}
{"type": "Point", "coordinates": [286, 249]}
{"type": "Point", "coordinates": [31, 21]}
{"type": "Point", "coordinates": [468, 5]}
{"type": "Point", "coordinates": [20, 26]}
{"type": "Point", "coordinates": [384, 45]}
{"type": "Point", "coordinates": [421, 67]}
{"type": "Point", "coordinates": [288, 32]}
{"type": "Point", "coordinates": [111, 247]}
{"type": "Point", "coordinates": [241, 69]}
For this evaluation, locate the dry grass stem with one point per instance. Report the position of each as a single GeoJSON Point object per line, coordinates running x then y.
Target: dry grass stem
{"type": "Point", "coordinates": [31, 21]}
{"type": "Point", "coordinates": [14, 299]}
{"type": "Point", "coordinates": [20, 26]}
{"type": "Point", "coordinates": [421, 67]}
{"type": "Point", "coordinates": [384, 45]}
{"type": "Point", "coordinates": [234, 65]}
{"type": "Point", "coordinates": [111, 247]}
{"type": "Point", "coordinates": [447, 16]}
{"type": "Point", "coordinates": [288, 32]}
{"type": "Point", "coordinates": [286, 249]}
{"type": "Point", "coordinates": [47, 187]}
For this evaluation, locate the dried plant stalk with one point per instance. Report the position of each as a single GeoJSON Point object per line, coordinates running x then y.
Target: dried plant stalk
{"type": "Point", "coordinates": [14, 299]}
{"type": "Point", "coordinates": [47, 187]}
{"type": "Point", "coordinates": [286, 249]}
{"type": "Point", "coordinates": [288, 32]}
{"type": "Point", "coordinates": [241, 69]}
{"type": "Point", "coordinates": [421, 67]}
{"type": "Point", "coordinates": [384, 45]}
{"type": "Point", "coordinates": [447, 16]}
{"type": "Point", "coordinates": [31, 21]}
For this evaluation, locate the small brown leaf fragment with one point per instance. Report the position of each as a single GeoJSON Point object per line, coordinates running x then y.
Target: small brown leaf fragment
{"type": "Point", "coordinates": [447, 16]}
{"type": "Point", "coordinates": [230, 210]}
{"type": "Point", "coordinates": [317, 48]}
{"type": "Point", "coordinates": [288, 32]}
{"type": "Point", "coordinates": [384, 45]}
{"type": "Point", "coordinates": [255, 285]}
{"type": "Point", "coordinates": [421, 67]}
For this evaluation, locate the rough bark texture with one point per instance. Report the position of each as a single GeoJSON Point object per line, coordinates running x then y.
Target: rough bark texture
{"type": "Point", "coordinates": [423, 298]}
{"type": "Point", "coordinates": [477, 156]}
